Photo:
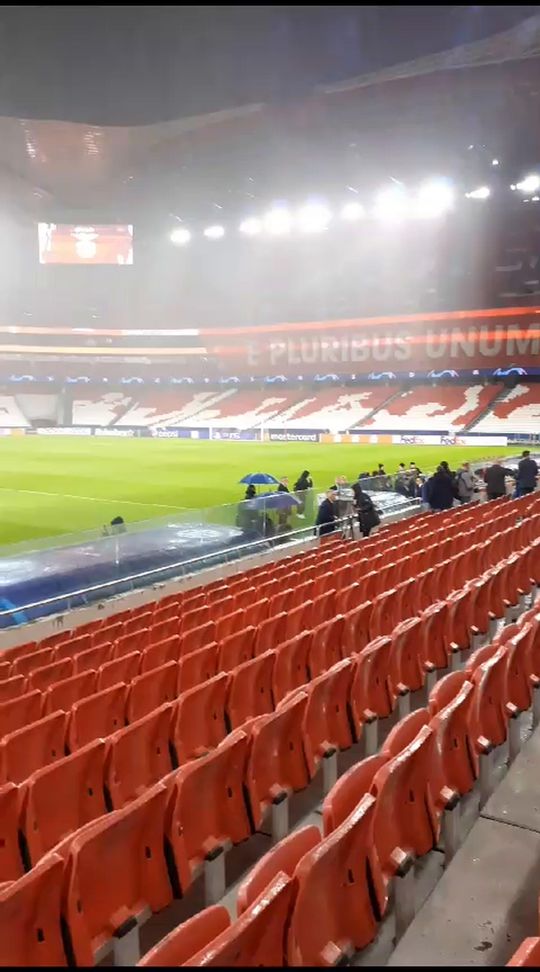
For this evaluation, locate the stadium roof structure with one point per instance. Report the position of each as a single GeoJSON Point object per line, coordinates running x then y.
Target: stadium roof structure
{"type": "Point", "coordinates": [414, 116]}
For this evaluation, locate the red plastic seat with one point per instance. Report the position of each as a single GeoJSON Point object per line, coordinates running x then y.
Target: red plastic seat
{"type": "Point", "coordinates": [271, 633]}
{"type": "Point", "coordinates": [528, 954]}
{"type": "Point", "coordinates": [370, 690]}
{"type": "Point", "coordinates": [198, 723]}
{"type": "Point", "coordinates": [404, 732]}
{"type": "Point", "coordinates": [519, 670]}
{"type": "Point", "coordinates": [179, 947]}
{"type": "Point", "coordinates": [407, 670]}
{"type": "Point", "coordinates": [151, 690]}
{"type": "Point", "coordinates": [291, 665]}
{"type": "Point", "coordinates": [276, 763]}
{"type": "Point", "coordinates": [221, 607]}
{"type": "Point", "coordinates": [29, 663]}
{"type": "Point", "coordinates": [115, 870]}
{"type": "Point", "coordinates": [197, 667]}
{"type": "Point", "coordinates": [13, 687]}
{"type": "Point", "coordinates": [298, 619]}
{"type": "Point", "coordinates": [488, 718]}
{"type": "Point", "coordinates": [28, 749]}
{"type": "Point", "coordinates": [197, 637]}
{"type": "Point", "coordinates": [92, 659]}
{"type": "Point", "coordinates": [137, 757]}
{"type": "Point", "coordinates": [11, 865]}
{"type": "Point", "coordinates": [118, 670]}
{"type": "Point", "coordinates": [250, 689]}
{"type": "Point", "coordinates": [128, 643]}
{"type": "Point", "coordinates": [139, 622]}
{"type": "Point", "coordinates": [166, 612]}
{"type": "Point", "coordinates": [59, 799]}
{"type": "Point", "coordinates": [63, 695]}
{"type": "Point", "coordinates": [19, 651]}
{"type": "Point", "coordinates": [326, 723]}
{"type": "Point", "coordinates": [158, 653]}
{"type": "Point", "coordinates": [435, 632]}
{"type": "Point", "coordinates": [42, 678]}
{"type": "Point", "coordinates": [356, 630]}
{"type": "Point", "coordinates": [235, 649]}
{"type": "Point", "coordinates": [335, 912]}
{"type": "Point", "coordinates": [445, 691]}
{"type": "Point", "coordinates": [405, 822]}
{"type": "Point", "coordinates": [349, 790]}
{"type": "Point", "coordinates": [454, 766]}
{"type": "Point", "coordinates": [97, 716]}
{"type": "Point", "coordinates": [108, 634]}
{"type": "Point", "coordinates": [73, 646]}
{"type": "Point", "coordinates": [163, 629]}
{"type": "Point", "coordinates": [228, 624]}
{"type": "Point", "coordinates": [325, 649]}
{"type": "Point", "coordinates": [283, 858]}
{"type": "Point", "coordinates": [20, 711]}
{"type": "Point", "coordinates": [256, 612]}
{"type": "Point", "coordinates": [197, 829]}
{"type": "Point", "coordinates": [30, 926]}
{"type": "Point", "coordinates": [5, 670]}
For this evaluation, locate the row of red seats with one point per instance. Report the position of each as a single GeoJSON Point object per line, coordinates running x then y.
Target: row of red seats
{"type": "Point", "coordinates": [316, 899]}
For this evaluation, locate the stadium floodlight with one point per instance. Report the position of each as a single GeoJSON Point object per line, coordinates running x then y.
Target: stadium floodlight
{"type": "Point", "coordinates": [214, 232]}
{"type": "Point", "coordinates": [180, 236]}
{"type": "Point", "coordinates": [313, 218]}
{"type": "Point", "coordinates": [352, 211]}
{"type": "Point", "coordinates": [392, 203]}
{"type": "Point", "coordinates": [494, 161]}
{"type": "Point", "coordinates": [529, 184]}
{"type": "Point", "coordinates": [483, 192]}
{"type": "Point", "coordinates": [434, 198]}
{"type": "Point", "coordinates": [251, 226]}
{"type": "Point", "coordinates": [278, 221]}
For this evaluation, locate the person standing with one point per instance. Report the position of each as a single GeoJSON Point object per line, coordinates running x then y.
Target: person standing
{"type": "Point", "coordinates": [327, 514]}
{"type": "Point", "coordinates": [301, 486]}
{"type": "Point", "coordinates": [495, 480]}
{"type": "Point", "coordinates": [527, 473]}
{"type": "Point", "coordinates": [440, 492]}
{"type": "Point", "coordinates": [283, 485]}
{"type": "Point", "coordinates": [465, 483]}
{"type": "Point", "coordinates": [368, 516]}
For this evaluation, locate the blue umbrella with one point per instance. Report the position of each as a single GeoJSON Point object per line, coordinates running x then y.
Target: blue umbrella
{"type": "Point", "coordinates": [275, 501]}
{"type": "Point", "coordinates": [260, 479]}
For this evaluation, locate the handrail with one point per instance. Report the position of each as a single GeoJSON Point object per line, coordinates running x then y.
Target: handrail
{"type": "Point", "coordinates": [309, 532]}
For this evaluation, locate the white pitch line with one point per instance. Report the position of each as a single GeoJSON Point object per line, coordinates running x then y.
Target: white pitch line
{"type": "Point", "coordinates": [93, 499]}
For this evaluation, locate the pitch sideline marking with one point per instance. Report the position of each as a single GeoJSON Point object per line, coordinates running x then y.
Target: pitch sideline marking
{"type": "Point", "coordinates": [93, 499]}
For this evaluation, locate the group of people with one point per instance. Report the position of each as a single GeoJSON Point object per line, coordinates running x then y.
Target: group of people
{"type": "Point", "coordinates": [442, 489]}
{"type": "Point", "coordinates": [328, 514]}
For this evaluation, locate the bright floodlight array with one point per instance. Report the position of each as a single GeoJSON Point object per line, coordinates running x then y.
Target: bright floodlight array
{"type": "Point", "coordinates": [392, 204]}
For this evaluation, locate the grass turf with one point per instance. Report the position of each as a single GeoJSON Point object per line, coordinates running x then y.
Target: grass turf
{"type": "Point", "coordinates": [51, 486]}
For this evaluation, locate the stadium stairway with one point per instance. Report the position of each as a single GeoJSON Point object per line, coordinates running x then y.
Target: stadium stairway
{"type": "Point", "coordinates": [309, 702]}
{"type": "Point", "coordinates": [387, 401]}
{"type": "Point", "coordinates": [500, 397]}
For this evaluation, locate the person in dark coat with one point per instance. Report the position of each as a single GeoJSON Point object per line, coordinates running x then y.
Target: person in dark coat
{"type": "Point", "coordinates": [283, 485]}
{"type": "Point", "coordinates": [526, 475]}
{"type": "Point", "coordinates": [441, 490]}
{"type": "Point", "coordinates": [495, 480]}
{"type": "Point", "coordinates": [368, 516]}
{"type": "Point", "coordinates": [327, 515]}
{"type": "Point", "coordinates": [251, 492]}
{"type": "Point", "coordinates": [303, 482]}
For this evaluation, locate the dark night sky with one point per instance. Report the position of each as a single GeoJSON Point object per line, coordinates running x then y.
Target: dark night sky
{"type": "Point", "coordinates": [141, 64]}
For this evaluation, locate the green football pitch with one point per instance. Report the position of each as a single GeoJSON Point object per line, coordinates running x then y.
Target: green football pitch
{"type": "Point", "coordinates": [50, 486]}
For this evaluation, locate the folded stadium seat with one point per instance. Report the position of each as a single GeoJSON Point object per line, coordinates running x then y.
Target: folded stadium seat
{"type": "Point", "coordinates": [527, 955]}
{"type": "Point", "coordinates": [108, 634]}
{"type": "Point", "coordinates": [221, 607]}
{"type": "Point", "coordinates": [488, 715]}
{"type": "Point", "coordinates": [198, 832]}
{"type": "Point", "coordinates": [97, 716]}
{"type": "Point", "coordinates": [198, 720]}
{"type": "Point", "coordinates": [28, 663]}
{"type": "Point", "coordinates": [436, 635]}
{"type": "Point", "coordinates": [291, 665]}
{"type": "Point", "coordinates": [326, 725]}
{"type": "Point", "coordinates": [73, 646]}
{"type": "Point", "coordinates": [11, 865]}
{"type": "Point", "coordinates": [258, 937]}
{"type": "Point", "coordinates": [370, 696]}
{"type": "Point", "coordinates": [42, 678]}
{"type": "Point", "coordinates": [5, 670]}
{"type": "Point", "coordinates": [92, 659]}
{"type": "Point", "coordinates": [122, 669]}
{"type": "Point", "coordinates": [282, 858]}
{"type": "Point", "coordinates": [13, 687]}
{"type": "Point", "coordinates": [404, 732]}
{"type": "Point", "coordinates": [460, 614]}
{"type": "Point", "coordinates": [336, 910]}
{"type": "Point", "coordinates": [142, 611]}
{"type": "Point", "coordinates": [298, 619]}
{"type": "Point", "coordinates": [137, 757]}
{"type": "Point", "coordinates": [59, 799]}
{"type": "Point", "coordinates": [30, 925]}
{"type": "Point", "coordinates": [32, 747]}
{"type": "Point", "coordinates": [356, 629]}
{"type": "Point", "coordinates": [158, 653]}
{"type": "Point", "coordinates": [405, 820]}
{"type": "Point", "coordinates": [19, 651]}
{"type": "Point", "coordinates": [219, 594]}
{"type": "Point", "coordinates": [54, 640]}
{"type": "Point", "coordinates": [284, 601]}
{"type": "Point", "coordinates": [163, 629]}
{"type": "Point", "coordinates": [256, 612]}
{"type": "Point", "coordinates": [123, 616]}
{"type": "Point", "coordinates": [62, 695]}
{"type": "Point", "coordinates": [167, 612]}
{"type": "Point", "coordinates": [138, 623]}
{"type": "Point", "coordinates": [180, 945]}
{"type": "Point", "coordinates": [370, 585]}
{"type": "Point", "coordinates": [325, 649]}
{"type": "Point", "coordinates": [445, 691]}
{"type": "Point", "coordinates": [408, 669]}
{"type": "Point", "coordinates": [302, 592]}
{"type": "Point", "coordinates": [89, 628]}
{"type": "Point", "coordinates": [197, 637]}
{"type": "Point", "coordinates": [453, 769]}
{"type": "Point", "coordinates": [348, 598]}
{"type": "Point", "coordinates": [349, 790]}
{"type": "Point", "coordinates": [197, 667]}
{"type": "Point", "coordinates": [385, 614]}
{"type": "Point", "coordinates": [244, 596]}
{"type": "Point", "coordinates": [194, 600]}
{"type": "Point", "coordinates": [276, 764]}
{"type": "Point", "coordinates": [235, 648]}
{"type": "Point", "coordinates": [151, 690]}
{"type": "Point", "coordinates": [249, 692]}
{"type": "Point", "coordinates": [268, 589]}
{"type": "Point", "coordinates": [115, 872]}
{"type": "Point", "coordinates": [270, 633]}
{"type": "Point", "coordinates": [128, 643]}
{"type": "Point", "coordinates": [20, 711]}
{"type": "Point", "coordinates": [228, 624]}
